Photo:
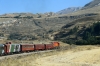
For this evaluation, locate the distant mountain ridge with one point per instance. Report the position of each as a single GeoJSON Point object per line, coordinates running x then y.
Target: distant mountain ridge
{"type": "Point", "coordinates": [92, 4]}
{"type": "Point", "coordinates": [68, 10]}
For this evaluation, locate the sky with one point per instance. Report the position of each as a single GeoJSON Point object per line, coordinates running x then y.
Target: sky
{"type": "Point", "coordinates": [38, 6]}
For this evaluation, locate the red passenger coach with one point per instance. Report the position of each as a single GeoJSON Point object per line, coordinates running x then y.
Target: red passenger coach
{"type": "Point", "coordinates": [27, 47]}
{"type": "Point", "coordinates": [49, 46]}
{"type": "Point", "coordinates": [39, 47]}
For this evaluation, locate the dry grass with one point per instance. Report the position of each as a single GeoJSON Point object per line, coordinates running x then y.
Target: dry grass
{"type": "Point", "coordinates": [25, 60]}
{"type": "Point", "coordinates": [25, 41]}
{"type": "Point", "coordinates": [83, 57]}
{"type": "Point", "coordinates": [82, 48]}
{"type": "Point", "coordinates": [66, 56]}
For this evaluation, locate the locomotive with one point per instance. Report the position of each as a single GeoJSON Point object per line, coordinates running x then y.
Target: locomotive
{"type": "Point", "coordinates": [10, 48]}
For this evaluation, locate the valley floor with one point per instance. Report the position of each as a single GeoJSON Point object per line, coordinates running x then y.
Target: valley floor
{"type": "Point", "coordinates": [89, 57]}
{"type": "Point", "coordinates": [72, 56]}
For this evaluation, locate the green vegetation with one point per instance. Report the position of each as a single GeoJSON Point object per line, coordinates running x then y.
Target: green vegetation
{"type": "Point", "coordinates": [91, 35]}
{"type": "Point", "coordinates": [74, 30]}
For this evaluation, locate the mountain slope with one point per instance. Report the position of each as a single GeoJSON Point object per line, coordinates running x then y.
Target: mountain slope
{"type": "Point", "coordinates": [68, 10]}
{"type": "Point", "coordinates": [50, 25]}
{"type": "Point", "coordinates": [74, 30]}
{"type": "Point", "coordinates": [94, 3]}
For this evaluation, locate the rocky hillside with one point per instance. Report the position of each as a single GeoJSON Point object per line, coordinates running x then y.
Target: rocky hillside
{"type": "Point", "coordinates": [74, 31]}
{"type": "Point", "coordinates": [68, 10]}
{"type": "Point", "coordinates": [36, 27]}
{"type": "Point", "coordinates": [94, 3]}
{"type": "Point", "coordinates": [28, 26]}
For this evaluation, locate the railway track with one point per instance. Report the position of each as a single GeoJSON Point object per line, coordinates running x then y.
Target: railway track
{"type": "Point", "coordinates": [23, 54]}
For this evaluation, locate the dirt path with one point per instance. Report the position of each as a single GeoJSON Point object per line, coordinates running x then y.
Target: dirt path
{"type": "Point", "coordinates": [70, 58]}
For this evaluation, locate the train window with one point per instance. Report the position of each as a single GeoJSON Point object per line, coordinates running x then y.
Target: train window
{"type": "Point", "coordinates": [17, 46]}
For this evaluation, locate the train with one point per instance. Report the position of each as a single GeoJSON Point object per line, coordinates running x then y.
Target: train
{"type": "Point", "coordinates": [9, 48]}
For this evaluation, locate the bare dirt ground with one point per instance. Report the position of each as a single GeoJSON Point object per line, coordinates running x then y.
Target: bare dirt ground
{"type": "Point", "coordinates": [79, 57]}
